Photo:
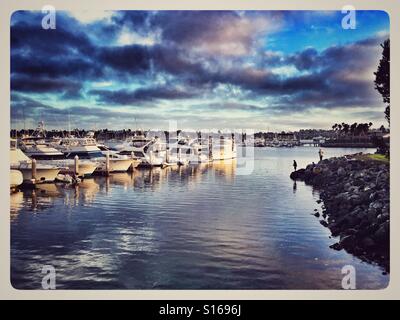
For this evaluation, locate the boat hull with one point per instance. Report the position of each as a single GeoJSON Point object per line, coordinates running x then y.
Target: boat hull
{"type": "Point", "coordinates": [16, 178]}
{"type": "Point", "coordinates": [134, 163]}
{"type": "Point", "coordinates": [116, 165]}
{"type": "Point", "coordinates": [86, 167]}
{"type": "Point", "coordinates": [42, 174]}
{"type": "Point", "coordinates": [224, 152]}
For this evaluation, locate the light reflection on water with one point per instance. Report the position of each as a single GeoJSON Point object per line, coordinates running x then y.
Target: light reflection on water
{"type": "Point", "coordinates": [191, 227]}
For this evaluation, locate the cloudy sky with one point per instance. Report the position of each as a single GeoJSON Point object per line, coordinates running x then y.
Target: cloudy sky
{"type": "Point", "coordinates": [276, 70]}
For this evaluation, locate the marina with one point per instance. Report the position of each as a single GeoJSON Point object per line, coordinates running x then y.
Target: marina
{"type": "Point", "coordinates": [198, 226]}
{"type": "Point", "coordinates": [65, 159]}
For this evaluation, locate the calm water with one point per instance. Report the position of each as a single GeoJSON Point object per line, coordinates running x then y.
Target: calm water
{"type": "Point", "coordinates": [196, 227]}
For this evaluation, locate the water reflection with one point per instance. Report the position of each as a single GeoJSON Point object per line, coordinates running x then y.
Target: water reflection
{"type": "Point", "coordinates": [85, 192]}
{"type": "Point", "coordinates": [16, 204]}
{"type": "Point", "coordinates": [196, 226]}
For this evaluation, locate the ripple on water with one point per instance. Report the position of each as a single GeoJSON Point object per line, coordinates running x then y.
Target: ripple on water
{"type": "Point", "coordinates": [187, 228]}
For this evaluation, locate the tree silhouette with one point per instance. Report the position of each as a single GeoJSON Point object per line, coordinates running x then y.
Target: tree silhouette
{"type": "Point", "coordinates": [382, 77]}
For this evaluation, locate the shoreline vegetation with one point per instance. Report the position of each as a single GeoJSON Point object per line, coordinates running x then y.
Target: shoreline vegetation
{"type": "Point", "coordinates": [355, 193]}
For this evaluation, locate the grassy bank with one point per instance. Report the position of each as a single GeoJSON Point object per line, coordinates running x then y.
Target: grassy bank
{"type": "Point", "coordinates": [375, 157]}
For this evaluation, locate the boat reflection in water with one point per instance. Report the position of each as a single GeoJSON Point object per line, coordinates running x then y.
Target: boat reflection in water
{"type": "Point", "coordinates": [16, 204]}
{"type": "Point", "coordinates": [203, 226]}
{"type": "Point", "coordinates": [35, 200]}
{"type": "Point", "coordinates": [152, 178]}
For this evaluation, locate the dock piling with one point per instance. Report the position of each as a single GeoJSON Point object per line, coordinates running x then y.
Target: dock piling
{"type": "Point", "coordinates": [34, 170]}
{"type": "Point", "coordinates": [108, 163]}
{"type": "Point", "coordinates": [76, 165]}
{"type": "Point", "coordinates": [167, 155]}
{"type": "Point", "coordinates": [210, 153]}
{"type": "Point", "coordinates": [133, 158]}
{"type": "Point", "coordinates": [222, 148]}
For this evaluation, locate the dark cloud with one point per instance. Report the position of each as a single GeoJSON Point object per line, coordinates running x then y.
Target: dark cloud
{"type": "Point", "coordinates": [45, 85]}
{"type": "Point", "coordinates": [129, 59]}
{"type": "Point", "coordinates": [172, 60]}
{"type": "Point", "coordinates": [55, 67]}
{"type": "Point", "coordinates": [191, 27]}
{"type": "Point", "coordinates": [29, 108]}
{"type": "Point", "coordinates": [196, 52]}
{"type": "Point", "coordinates": [221, 33]}
{"type": "Point", "coordinates": [128, 97]}
{"type": "Point", "coordinates": [229, 106]}
{"type": "Point", "coordinates": [304, 60]}
{"type": "Point", "coordinates": [32, 111]}
{"type": "Point", "coordinates": [30, 38]}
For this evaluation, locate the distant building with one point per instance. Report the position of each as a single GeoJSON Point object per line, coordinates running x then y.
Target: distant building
{"type": "Point", "coordinates": [286, 137]}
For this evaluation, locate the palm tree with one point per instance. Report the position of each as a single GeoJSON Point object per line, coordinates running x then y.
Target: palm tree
{"type": "Point", "coordinates": [346, 128]}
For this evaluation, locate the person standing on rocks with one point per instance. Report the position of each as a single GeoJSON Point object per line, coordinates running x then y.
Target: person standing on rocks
{"type": "Point", "coordinates": [321, 154]}
{"type": "Point", "coordinates": [294, 165]}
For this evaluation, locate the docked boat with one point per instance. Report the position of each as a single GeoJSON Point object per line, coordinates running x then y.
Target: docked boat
{"type": "Point", "coordinates": [21, 162]}
{"type": "Point", "coordinates": [36, 147]}
{"type": "Point", "coordinates": [150, 151]}
{"type": "Point", "coordinates": [84, 148]}
{"type": "Point", "coordinates": [47, 155]}
{"type": "Point", "coordinates": [185, 151]}
{"type": "Point", "coordinates": [93, 155]}
{"type": "Point", "coordinates": [175, 154]}
{"type": "Point", "coordinates": [117, 162]}
{"type": "Point", "coordinates": [40, 150]}
{"type": "Point", "coordinates": [224, 149]}
{"type": "Point", "coordinates": [199, 152]}
{"type": "Point", "coordinates": [68, 166]}
{"type": "Point", "coordinates": [16, 178]}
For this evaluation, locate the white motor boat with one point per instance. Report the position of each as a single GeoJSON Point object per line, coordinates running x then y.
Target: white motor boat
{"type": "Point", "coordinates": [150, 151]}
{"type": "Point", "coordinates": [187, 151]}
{"type": "Point", "coordinates": [93, 155]}
{"type": "Point", "coordinates": [117, 162]}
{"type": "Point", "coordinates": [16, 178]}
{"type": "Point", "coordinates": [84, 148]}
{"type": "Point", "coordinates": [40, 150]}
{"type": "Point", "coordinates": [47, 155]}
{"type": "Point", "coordinates": [199, 152]}
{"type": "Point", "coordinates": [224, 149]}
{"type": "Point", "coordinates": [19, 161]}
{"type": "Point", "coordinates": [183, 151]}
{"type": "Point", "coordinates": [85, 166]}
{"type": "Point", "coordinates": [35, 146]}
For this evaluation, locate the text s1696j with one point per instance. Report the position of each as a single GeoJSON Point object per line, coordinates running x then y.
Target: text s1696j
{"type": "Point", "coordinates": [207, 309]}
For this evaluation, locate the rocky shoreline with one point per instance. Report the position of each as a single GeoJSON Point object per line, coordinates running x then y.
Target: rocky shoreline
{"type": "Point", "coordinates": [355, 193]}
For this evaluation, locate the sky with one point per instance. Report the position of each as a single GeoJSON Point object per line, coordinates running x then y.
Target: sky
{"type": "Point", "coordinates": [261, 70]}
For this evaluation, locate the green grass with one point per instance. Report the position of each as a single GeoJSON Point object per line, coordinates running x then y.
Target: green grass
{"type": "Point", "coordinates": [375, 157]}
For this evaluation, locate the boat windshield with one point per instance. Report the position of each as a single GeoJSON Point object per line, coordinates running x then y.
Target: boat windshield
{"type": "Point", "coordinates": [138, 154]}
{"type": "Point", "coordinates": [102, 148]}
